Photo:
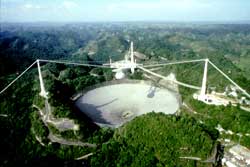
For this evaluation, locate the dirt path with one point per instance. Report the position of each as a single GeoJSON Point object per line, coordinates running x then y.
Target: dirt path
{"type": "Point", "coordinates": [61, 124]}
{"type": "Point", "coordinates": [3, 115]}
{"type": "Point", "coordinates": [57, 139]}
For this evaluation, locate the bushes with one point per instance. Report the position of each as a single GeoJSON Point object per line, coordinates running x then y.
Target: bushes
{"type": "Point", "coordinates": [137, 75]}
{"type": "Point", "coordinates": [39, 128]}
{"type": "Point", "coordinates": [229, 117]}
{"type": "Point", "coordinates": [156, 139]}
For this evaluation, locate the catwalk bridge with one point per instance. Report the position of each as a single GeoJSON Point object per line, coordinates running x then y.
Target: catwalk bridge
{"type": "Point", "coordinates": [129, 63]}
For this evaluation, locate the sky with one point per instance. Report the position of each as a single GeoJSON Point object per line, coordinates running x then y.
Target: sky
{"type": "Point", "coordinates": [123, 10]}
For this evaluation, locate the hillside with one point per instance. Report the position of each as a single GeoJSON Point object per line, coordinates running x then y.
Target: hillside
{"type": "Point", "coordinates": [31, 139]}
{"type": "Point", "coordinates": [157, 140]}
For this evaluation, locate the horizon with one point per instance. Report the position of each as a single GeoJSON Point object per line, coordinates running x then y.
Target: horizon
{"type": "Point", "coordinates": [67, 11]}
{"type": "Point", "coordinates": [138, 22]}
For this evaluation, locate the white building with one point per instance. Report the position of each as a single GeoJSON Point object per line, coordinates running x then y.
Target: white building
{"type": "Point", "coordinates": [238, 156]}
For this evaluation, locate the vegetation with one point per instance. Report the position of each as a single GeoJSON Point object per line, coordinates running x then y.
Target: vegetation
{"type": "Point", "coordinates": [38, 128]}
{"type": "Point", "coordinates": [156, 140]}
{"type": "Point", "coordinates": [229, 117]}
{"type": "Point", "coordinates": [149, 140]}
{"type": "Point", "coordinates": [23, 124]}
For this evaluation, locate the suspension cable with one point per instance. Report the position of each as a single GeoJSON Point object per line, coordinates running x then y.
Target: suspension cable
{"type": "Point", "coordinates": [172, 63]}
{"type": "Point", "coordinates": [18, 77]}
{"type": "Point", "coordinates": [72, 63]}
{"type": "Point", "coordinates": [243, 91]}
{"type": "Point", "coordinates": [165, 78]}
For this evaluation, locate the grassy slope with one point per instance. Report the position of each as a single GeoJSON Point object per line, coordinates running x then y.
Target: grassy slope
{"type": "Point", "coordinates": [156, 140]}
